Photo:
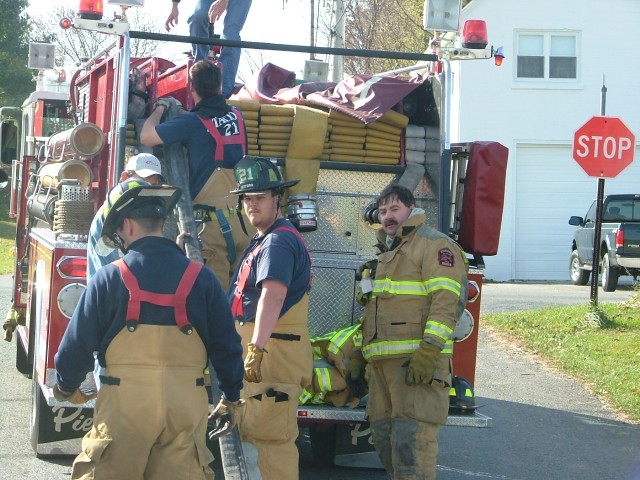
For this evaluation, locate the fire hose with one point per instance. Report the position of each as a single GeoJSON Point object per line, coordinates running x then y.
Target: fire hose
{"type": "Point", "coordinates": [174, 165]}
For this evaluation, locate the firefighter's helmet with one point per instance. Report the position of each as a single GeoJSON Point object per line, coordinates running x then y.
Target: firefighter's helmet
{"type": "Point", "coordinates": [461, 396]}
{"type": "Point", "coordinates": [135, 198]}
{"type": "Point", "coordinates": [257, 175]}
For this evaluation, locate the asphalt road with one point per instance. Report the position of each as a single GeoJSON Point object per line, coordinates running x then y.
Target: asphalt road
{"type": "Point", "coordinates": [544, 425]}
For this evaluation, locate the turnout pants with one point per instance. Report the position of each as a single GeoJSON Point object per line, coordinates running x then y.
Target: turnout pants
{"type": "Point", "coordinates": [270, 420]}
{"type": "Point", "coordinates": [150, 417]}
{"type": "Point", "coordinates": [405, 420]}
{"type": "Point", "coordinates": [215, 193]}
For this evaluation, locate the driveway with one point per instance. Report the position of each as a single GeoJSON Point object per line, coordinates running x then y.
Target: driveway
{"type": "Point", "coordinates": [514, 296]}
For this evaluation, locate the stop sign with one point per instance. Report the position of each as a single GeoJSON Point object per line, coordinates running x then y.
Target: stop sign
{"type": "Point", "coordinates": [603, 147]}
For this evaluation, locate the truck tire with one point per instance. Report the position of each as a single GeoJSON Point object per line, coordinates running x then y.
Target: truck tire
{"type": "Point", "coordinates": [22, 360]}
{"type": "Point", "coordinates": [610, 275]}
{"type": "Point", "coordinates": [323, 444]}
{"type": "Point", "coordinates": [579, 276]}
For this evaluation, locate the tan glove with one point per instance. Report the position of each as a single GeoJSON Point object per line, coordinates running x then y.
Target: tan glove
{"type": "Point", "coordinates": [252, 363]}
{"type": "Point", "coordinates": [76, 397]}
{"type": "Point", "coordinates": [365, 285]}
{"type": "Point", "coordinates": [355, 374]}
{"type": "Point", "coordinates": [422, 364]}
{"type": "Point", "coordinates": [167, 102]}
{"type": "Point", "coordinates": [224, 417]}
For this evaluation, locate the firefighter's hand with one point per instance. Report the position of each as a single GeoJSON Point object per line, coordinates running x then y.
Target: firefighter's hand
{"type": "Point", "coordinates": [422, 364]}
{"type": "Point", "coordinates": [76, 397]}
{"type": "Point", "coordinates": [252, 363]}
{"type": "Point", "coordinates": [365, 285]}
{"type": "Point", "coordinates": [167, 102]}
{"type": "Point", "coordinates": [224, 417]}
{"type": "Point", "coordinates": [355, 374]}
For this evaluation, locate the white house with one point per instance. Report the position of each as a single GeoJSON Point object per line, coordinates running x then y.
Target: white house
{"type": "Point", "coordinates": [557, 55]}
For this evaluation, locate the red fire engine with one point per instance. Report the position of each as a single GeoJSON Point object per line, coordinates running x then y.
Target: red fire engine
{"type": "Point", "coordinates": [71, 148]}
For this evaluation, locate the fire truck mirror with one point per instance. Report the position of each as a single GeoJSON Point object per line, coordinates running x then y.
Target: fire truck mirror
{"type": "Point", "coordinates": [8, 142]}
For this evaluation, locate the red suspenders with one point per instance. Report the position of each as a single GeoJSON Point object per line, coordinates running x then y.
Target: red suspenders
{"type": "Point", "coordinates": [177, 300]}
{"type": "Point", "coordinates": [237, 309]}
{"type": "Point", "coordinates": [238, 138]}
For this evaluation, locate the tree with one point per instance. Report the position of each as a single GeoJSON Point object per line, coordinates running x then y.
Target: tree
{"type": "Point", "coordinates": [15, 77]}
{"type": "Point", "coordinates": [394, 25]}
{"type": "Point", "coordinates": [74, 45]}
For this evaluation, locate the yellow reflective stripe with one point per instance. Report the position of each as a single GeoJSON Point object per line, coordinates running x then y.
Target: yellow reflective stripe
{"type": "Point", "coordinates": [324, 379]}
{"type": "Point", "coordinates": [390, 347]}
{"type": "Point", "coordinates": [452, 392]}
{"type": "Point", "coordinates": [321, 338]}
{"type": "Point", "coordinates": [317, 352]}
{"type": "Point", "coordinates": [305, 396]}
{"type": "Point", "coordinates": [318, 398]}
{"type": "Point", "coordinates": [398, 347]}
{"type": "Point", "coordinates": [357, 339]}
{"type": "Point", "coordinates": [341, 337]}
{"type": "Point", "coordinates": [419, 288]}
{"type": "Point", "coordinates": [468, 393]}
{"type": "Point", "coordinates": [439, 330]}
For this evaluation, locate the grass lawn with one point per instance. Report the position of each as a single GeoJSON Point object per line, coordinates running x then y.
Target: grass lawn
{"type": "Point", "coordinates": [605, 358]}
{"type": "Point", "coordinates": [7, 234]}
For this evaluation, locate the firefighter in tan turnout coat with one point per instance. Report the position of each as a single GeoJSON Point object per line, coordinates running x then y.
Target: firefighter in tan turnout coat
{"type": "Point", "coordinates": [419, 292]}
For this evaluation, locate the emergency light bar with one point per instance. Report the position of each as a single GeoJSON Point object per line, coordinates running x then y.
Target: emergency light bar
{"type": "Point", "coordinates": [90, 9]}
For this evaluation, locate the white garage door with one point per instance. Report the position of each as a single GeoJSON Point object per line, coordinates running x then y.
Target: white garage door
{"type": "Point", "coordinates": [550, 187]}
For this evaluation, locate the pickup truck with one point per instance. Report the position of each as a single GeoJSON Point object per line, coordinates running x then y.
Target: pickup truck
{"type": "Point", "coordinates": [620, 241]}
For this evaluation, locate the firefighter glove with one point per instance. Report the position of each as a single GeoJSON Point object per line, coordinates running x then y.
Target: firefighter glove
{"type": "Point", "coordinates": [355, 374]}
{"type": "Point", "coordinates": [252, 363]}
{"type": "Point", "coordinates": [167, 102]}
{"type": "Point", "coordinates": [76, 397]}
{"type": "Point", "coordinates": [422, 364]}
{"type": "Point", "coordinates": [224, 417]}
{"type": "Point", "coordinates": [367, 273]}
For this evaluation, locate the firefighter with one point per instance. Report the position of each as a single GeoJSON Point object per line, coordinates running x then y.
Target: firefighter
{"type": "Point", "coordinates": [215, 137]}
{"type": "Point", "coordinates": [142, 166]}
{"type": "Point", "coordinates": [269, 298]}
{"type": "Point", "coordinates": [154, 316]}
{"type": "Point", "coordinates": [419, 292]}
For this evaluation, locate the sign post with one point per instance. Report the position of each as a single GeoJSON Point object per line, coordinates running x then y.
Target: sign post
{"type": "Point", "coordinates": [603, 147]}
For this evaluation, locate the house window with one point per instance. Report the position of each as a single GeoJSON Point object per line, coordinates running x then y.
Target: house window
{"type": "Point", "coordinates": [547, 56]}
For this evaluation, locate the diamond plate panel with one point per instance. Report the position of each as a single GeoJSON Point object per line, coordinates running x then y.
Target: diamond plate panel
{"type": "Point", "coordinates": [337, 225]}
{"type": "Point", "coordinates": [366, 183]}
{"type": "Point", "coordinates": [331, 303]}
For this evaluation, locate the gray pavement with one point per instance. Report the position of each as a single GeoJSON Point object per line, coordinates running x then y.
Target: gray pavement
{"type": "Point", "coordinates": [545, 425]}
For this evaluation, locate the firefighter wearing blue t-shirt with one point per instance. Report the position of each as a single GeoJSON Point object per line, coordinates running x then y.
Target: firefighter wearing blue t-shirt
{"type": "Point", "coordinates": [215, 136]}
{"type": "Point", "coordinates": [269, 297]}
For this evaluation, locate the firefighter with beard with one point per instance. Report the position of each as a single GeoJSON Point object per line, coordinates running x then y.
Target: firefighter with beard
{"type": "Point", "coordinates": [419, 292]}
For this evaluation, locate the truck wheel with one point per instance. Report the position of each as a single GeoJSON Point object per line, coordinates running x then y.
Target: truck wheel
{"type": "Point", "coordinates": [22, 360]}
{"type": "Point", "coordinates": [323, 444]}
{"type": "Point", "coordinates": [609, 275]}
{"type": "Point", "coordinates": [579, 276]}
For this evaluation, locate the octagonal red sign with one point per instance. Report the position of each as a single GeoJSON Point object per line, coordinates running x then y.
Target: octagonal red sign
{"type": "Point", "coordinates": [604, 146]}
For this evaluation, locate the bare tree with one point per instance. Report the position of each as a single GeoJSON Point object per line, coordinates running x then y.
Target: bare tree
{"type": "Point", "coordinates": [74, 44]}
{"type": "Point", "coordinates": [394, 25]}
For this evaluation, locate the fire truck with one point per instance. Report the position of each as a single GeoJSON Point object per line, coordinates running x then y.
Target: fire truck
{"type": "Point", "coordinates": [69, 151]}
